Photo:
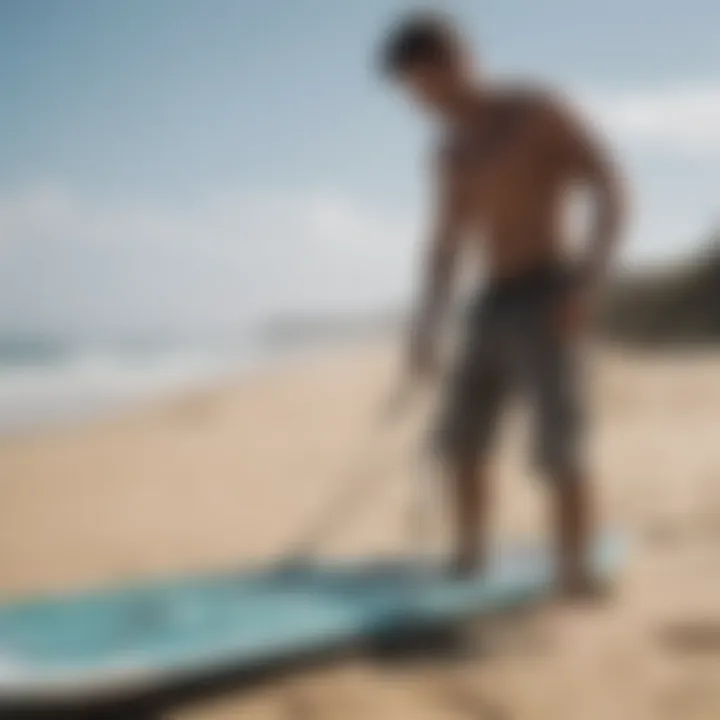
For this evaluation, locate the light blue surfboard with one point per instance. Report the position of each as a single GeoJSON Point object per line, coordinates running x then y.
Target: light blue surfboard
{"type": "Point", "coordinates": [131, 640]}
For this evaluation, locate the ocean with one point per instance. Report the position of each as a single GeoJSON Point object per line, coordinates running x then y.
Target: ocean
{"type": "Point", "coordinates": [46, 381]}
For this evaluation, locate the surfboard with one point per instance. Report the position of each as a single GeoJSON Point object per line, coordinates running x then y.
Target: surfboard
{"type": "Point", "coordinates": [131, 640]}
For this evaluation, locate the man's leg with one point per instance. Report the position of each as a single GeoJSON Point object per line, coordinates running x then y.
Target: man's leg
{"type": "Point", "coordinates": [470, 486]}
{"type": "Point", "coordinates": [574, 528]}
{"type": "Point", "coordinates": [552, 363]}
{"type": "Point", "coordinates": [466, 433]}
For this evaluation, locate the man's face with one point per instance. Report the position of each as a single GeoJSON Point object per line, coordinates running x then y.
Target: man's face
{"type": "Point", "coordinates": [431, 85]}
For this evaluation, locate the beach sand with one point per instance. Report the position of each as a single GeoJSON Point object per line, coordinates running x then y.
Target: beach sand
{"type": "Point", "coordinates": [217, 478]}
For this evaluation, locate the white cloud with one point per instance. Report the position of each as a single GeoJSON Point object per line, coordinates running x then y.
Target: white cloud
{"type": "Point", "coordinates": [682, 118]}
{"type": "Point", "coordinates": [67, 260]}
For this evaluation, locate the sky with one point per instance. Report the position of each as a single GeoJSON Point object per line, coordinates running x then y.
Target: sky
{"type": "Point", "coordinates": [192, 166]}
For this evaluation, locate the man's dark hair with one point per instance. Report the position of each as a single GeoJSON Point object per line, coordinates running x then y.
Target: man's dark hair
{"type": "Point", "coordinates": [419, 38]}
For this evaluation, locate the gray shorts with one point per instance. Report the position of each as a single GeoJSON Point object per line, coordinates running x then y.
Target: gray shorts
{"type": "Point", "coordinates": [512, 344]}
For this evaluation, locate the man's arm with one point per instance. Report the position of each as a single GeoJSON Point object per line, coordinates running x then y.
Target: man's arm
{"type": "Point", "coordinates": [437, 274]}
{"type": "Point", "coordinates": [580, 159]}
{"type": "Point", "coordinates": [586, 162]}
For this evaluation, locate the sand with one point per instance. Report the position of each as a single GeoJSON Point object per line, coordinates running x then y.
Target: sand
{"type": "Point", "coordinates": [215, 478]}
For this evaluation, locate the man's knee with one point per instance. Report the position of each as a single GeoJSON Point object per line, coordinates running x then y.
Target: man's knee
{"type": "Point", "coordinates": [561, 470]}
{"type": "Point", "coordinates": [559, 455]}
{"type": "Point", "coordinates": [465, 436]}
{"type": "Point", "coordinates": [560, 436]}
{"type": "Point", "coordinates": [454, 446]}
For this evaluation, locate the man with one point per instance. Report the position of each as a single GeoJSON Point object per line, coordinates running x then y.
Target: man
{"type": "Point", "coordinates": [505, 166]}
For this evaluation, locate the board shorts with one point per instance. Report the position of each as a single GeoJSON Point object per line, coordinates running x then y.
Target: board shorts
{"type": "Point", "coordinates": [513, 342]}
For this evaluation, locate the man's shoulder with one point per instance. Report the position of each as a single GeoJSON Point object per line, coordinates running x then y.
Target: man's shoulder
{"type": "Point", "coordinates": [547, 112]}
{"type": "Point", "coordinates": [527, 98]}
{"type": "Point", "coordinates": [513, 106]}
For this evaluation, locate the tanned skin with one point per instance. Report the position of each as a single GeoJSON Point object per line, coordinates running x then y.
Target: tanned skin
{"type": "Point", "coordinates": [505, 167]}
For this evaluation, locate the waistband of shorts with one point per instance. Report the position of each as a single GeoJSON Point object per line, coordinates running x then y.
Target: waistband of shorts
{"type": "Point", "coordinates": [547, 278]}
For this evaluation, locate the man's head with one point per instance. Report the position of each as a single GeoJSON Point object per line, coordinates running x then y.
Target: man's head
{"type": "Point", "coordinates": [426, 54]}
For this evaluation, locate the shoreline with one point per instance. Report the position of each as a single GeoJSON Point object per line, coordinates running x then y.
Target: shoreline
{"type": "Point", "coordinates": [108, 403]}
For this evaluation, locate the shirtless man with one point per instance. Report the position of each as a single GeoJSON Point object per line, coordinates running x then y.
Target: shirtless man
{"type": "Point", "coordinates": [504, 168]}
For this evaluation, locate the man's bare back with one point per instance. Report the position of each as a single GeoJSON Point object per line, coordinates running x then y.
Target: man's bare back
{"type": "Point", "coordinates": [504, 172]}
